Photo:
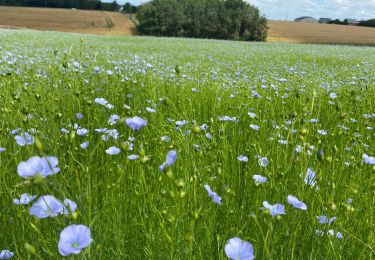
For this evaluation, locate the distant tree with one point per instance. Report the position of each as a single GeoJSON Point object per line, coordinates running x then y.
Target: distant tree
{"type": "Point", "coordinates": [369, 23]}
{"type": "Point", "coordinates": [217, 19]}
{"type": "Point", "coordinates": [128, 8]}
{"type": "Point", "coordinates": [337, 21]}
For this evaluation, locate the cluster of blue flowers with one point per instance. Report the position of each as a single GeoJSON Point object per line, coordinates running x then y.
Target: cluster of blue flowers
{"type": "Point", "coordinates": [73, 238]}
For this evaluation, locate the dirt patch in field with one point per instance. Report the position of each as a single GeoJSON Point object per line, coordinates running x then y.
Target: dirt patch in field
{"type": "Point", "coordinates": [66, 20]}
{"type": "Point", "coordinates": [281, 31]}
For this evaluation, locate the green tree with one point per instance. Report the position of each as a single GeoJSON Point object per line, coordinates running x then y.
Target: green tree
{"type": "Point", "coordinates": [218, 19]}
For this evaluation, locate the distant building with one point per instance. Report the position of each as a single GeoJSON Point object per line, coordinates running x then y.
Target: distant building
{"type": "Point", "coordinates": [352, 21]}
{"type": "Point", "coordinates": [324, 20]}
{"type": "Point", "coordinates": [306, 19]}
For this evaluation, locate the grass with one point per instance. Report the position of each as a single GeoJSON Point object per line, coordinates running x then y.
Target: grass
{"type": "Point", "coordinates": [135, 211]}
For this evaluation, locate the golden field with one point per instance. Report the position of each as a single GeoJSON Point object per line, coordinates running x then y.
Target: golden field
{"type": "Point", "coordinates": [66, 20]}
{"type": "Point", "coordinates": [296, 32]}
{"type": "Point", "coordinates": [112, 23]}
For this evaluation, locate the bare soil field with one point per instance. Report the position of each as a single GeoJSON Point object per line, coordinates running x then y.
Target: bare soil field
{"type": "Point", "coordinates": [66, 20]}
{"type": "Point", "coordinates": [295, 32]}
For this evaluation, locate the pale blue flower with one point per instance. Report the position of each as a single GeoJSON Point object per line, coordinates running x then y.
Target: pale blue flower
{"type": "Point", "coordinates": [44, 166]}
{"type": "Point", "coordinates": [150, 110]}
{"type": "Point", "coordinates": [252, 115]}
{"type": "Point", "coordinates": [2, 149]}
{"type": "Point", "coordinates": [181, 123]}
{"type": "Point", "coordinates": [6, 254]}
{"type": "Point", "coordinates": [165, 138]}
{"type": "Point", "coordinates": [84, 145]}
{"type": "Point", "coordinates": [238, 249]}
{"type": "Point", "coordinates": [368, 159]}
{"type": "Point", "coordinates": [69, 207]}
{"type": "Point", "coordinates": [64, 131]}
{"type": "Point", "coordinates": [259, 179]}
{"type": "Point", "coordinates": [113, 150]}
{"type": "Point", "coordinates": [333, 95]}
{"type": "Point", "coordinates": [255, 94]}
{"type": "Point", "coordinates": [133, 157]}
{"type": "Point", "coordinates": [338, 235]}
{"type": "Point", "coordinates": [15, 131]}
{"type": "Point", "coordinates": [113, 119]}
{"type": "Point", "coordinates": [24, 139]}
{"type": "Point", "coordinates": [73, 239]}
{"type": "Point", "coordinates": [101, 101]}
{"type": "Point", "coordinates": [109, 133]}
{"type": "Point", "coordinates": [310, 178]}
{"type": "Point", "coordinates": [136, 123]}
{"type": "Point", "coordinates": [82, 131]}
{"type": "Point", "coordinates": [325, 220]}
{"type": "Point", "coordinates": [322, 132]}
{"type": "Point", "coordinates": [215, 198]}
{"type": "Point", "coordinates": [208, 135]}
{"type": "Point", "coordinates": [295, 202]}
{"type": "Point", "coordinates": [79, 116]}
{"type": "Point", "coordinates": [263, 162]}
{"type": "Point", "coordinates": [227, 118]}
{"type": "Point", "coordinates": [46, 206]}
{"type": "Point", "coordinates": [276, 209]}
{"type": "Point", "coordinates": [242, 158]}
{"type": "Point", "coordinates": [24, 199]}
{"type": "Point", "coordinates": [169, 161]}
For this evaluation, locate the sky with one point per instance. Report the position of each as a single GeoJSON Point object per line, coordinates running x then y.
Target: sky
{"type": "Point", "coordinates": [291, 9]}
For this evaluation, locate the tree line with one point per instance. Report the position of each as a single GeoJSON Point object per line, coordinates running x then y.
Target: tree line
{"type": "Point", "coordinates": [78, 4]}
{"type": "Point", "coordinates": [215, 19]}
{"type": "Point", "coordinates": [369, 23]}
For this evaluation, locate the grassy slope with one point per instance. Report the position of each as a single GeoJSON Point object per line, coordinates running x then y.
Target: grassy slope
{"type": "Point", "coordinates": [136, 212]}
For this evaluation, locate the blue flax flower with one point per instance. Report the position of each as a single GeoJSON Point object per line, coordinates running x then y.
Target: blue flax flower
{"type": "Point", "coordinates": [113, 150]}
{"type": "Point", "coordinates": [44, 166]}
{"type": "Point", "coordinates": [169, 161]}
{"type": "Point", "coordinates": [24, 139]}
{"type": "Point", "coordinates": [276, 209]}
{"type": "Point", "coordinates": [24, 199]}
{"type": "Point", "coordinates": [6, 254]}
{"type": "Point", "coordinates": [46, 206]}
{"type": "Point", "coordinates": [73, 239]}
{"type": "Point", "coordinates": [238, 249]}
{"type": "Point", "coordinates": [325, 220]}
{"type": "Point", "coordinates": [215, 198]}
{"type": "Point", "coordinates": [136, 123]}
{"type": "Point", "coordinates": [292, 200]}
{"type": "Point", "coordinates": [310, 177]}
{"type": "Point", "coordinates": [259, 179]}
{"type": "Point", "coordinates": [368, 159]}
{"type": "Point", "coordinates": [243, 158]}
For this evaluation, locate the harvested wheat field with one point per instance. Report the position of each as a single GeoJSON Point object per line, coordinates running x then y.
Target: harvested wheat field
{"type": "Point", "coordinates": [282, 31]}
{"type": "Point", "coordinates": [66, 20]}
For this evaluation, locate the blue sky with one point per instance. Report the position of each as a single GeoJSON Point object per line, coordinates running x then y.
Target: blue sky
{"type": "Point", "coordinates": [290, 9]}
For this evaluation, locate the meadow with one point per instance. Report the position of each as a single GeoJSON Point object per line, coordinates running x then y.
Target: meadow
{"type": "Point", "coordinates": [154, 148]}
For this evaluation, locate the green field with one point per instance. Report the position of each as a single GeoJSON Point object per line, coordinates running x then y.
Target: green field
{"type": "Point", "coordinates": [303, 107]}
